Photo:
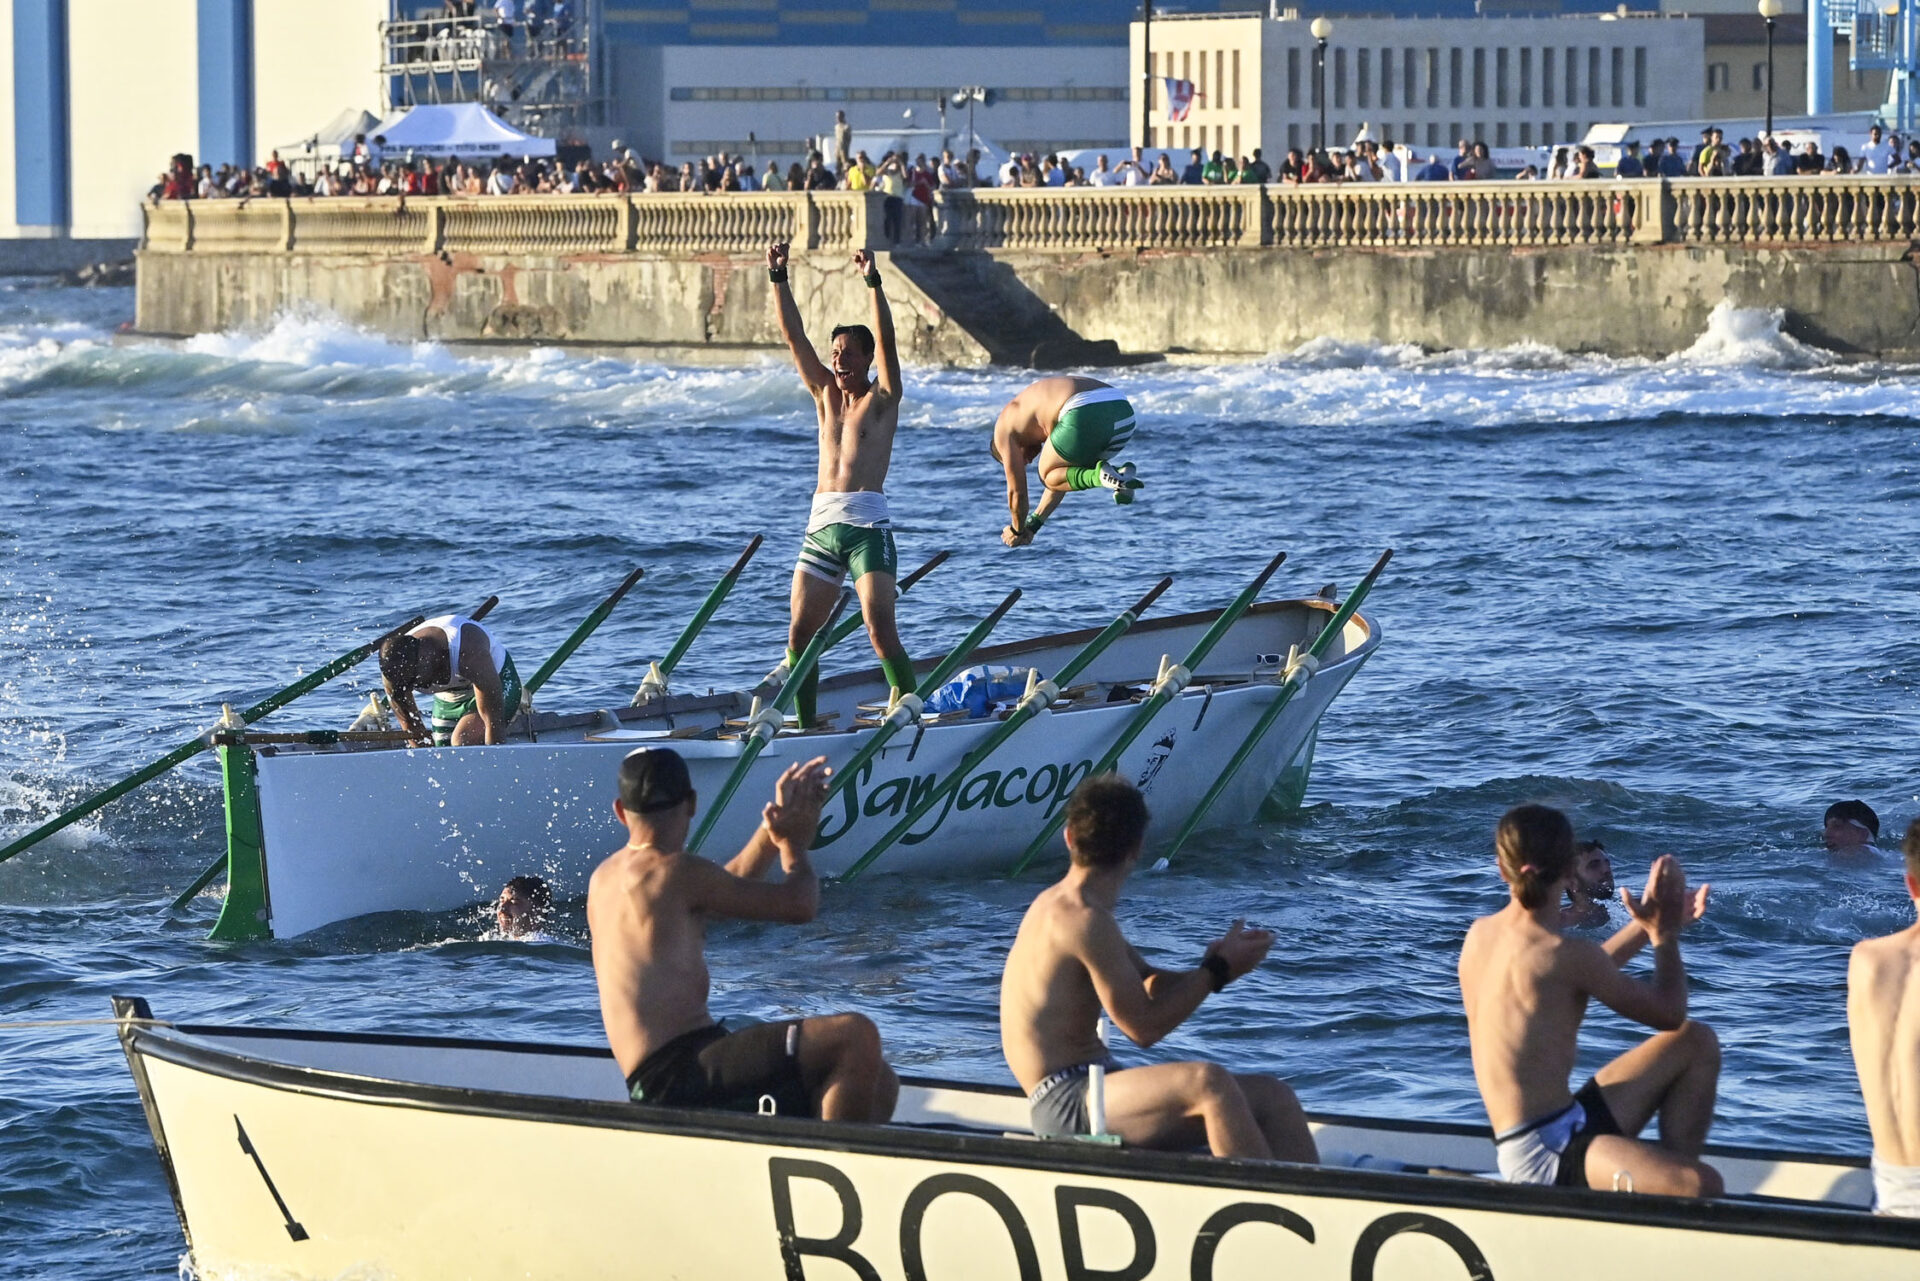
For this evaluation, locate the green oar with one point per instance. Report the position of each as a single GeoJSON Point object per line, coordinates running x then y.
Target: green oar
{"type": "Point", "coordinates": [1037, 700]}
{"type": "Point", "coordinates": [304, 685]}
{"type": "Point", "coordinates": [655, 684]}
{"type": "Point", "coordinates": [1296, 676]}
{"type": "Point", "coordinates": [764, 723]}
{"type": "Point", "coordinates": [1165, 690]}
{"type": "Point", "coordinates": [580, 633]}
{"type": "Point", "coordinates": [903, 713]}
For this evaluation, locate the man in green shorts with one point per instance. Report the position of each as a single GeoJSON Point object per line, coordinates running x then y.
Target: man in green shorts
{"type": "Point", "coordinates": [1068, 427]}
{"type": "Point", "coordinates": [475, 687]}
{"type": "Point", "coordinates": [850, 530]}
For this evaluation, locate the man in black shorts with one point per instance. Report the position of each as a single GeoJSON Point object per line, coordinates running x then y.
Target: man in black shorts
{"type": "Point", "coordinates": [647, 908]}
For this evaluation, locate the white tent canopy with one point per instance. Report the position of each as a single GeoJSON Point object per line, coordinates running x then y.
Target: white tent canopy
{"type": "Point", "coordinates": [334, 137]}
{"type": "Point", "coordinates": [456, 129]}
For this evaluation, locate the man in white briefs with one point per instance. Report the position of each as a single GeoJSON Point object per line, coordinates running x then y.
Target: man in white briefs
{"type": "Point", "coordinates": [1883, 1016]}
{"type": "Point", "coordinates": [1067, 428]}
{"type": "Point", "coordinates": [850, 529]}
{"type": "Point", "coordinates": [470, 674]}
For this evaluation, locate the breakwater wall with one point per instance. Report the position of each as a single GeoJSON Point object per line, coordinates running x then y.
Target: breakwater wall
{"type": "Point", "coordinates": [1083, 276]}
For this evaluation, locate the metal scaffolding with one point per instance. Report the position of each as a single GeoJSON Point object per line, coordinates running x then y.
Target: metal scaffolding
{"type": "Point", "coordinates": [541, 74]}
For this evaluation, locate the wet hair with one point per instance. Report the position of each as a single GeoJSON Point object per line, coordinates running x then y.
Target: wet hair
{"type": "Point", "coordinates": [1854, 812]}
{"type": "Point", "coordinates": [1534, 844]}
{"type": "Point", "coordinates": [400, 660]}
{"type": "Point", "coordinates": [1911, 848]}
{"type": "Point", "coordinates": [1106, 821]}
{"type": "Point", "coordinates": [653, 779]}
{"type": "Point", "coordinates": [860, 333]}
{"type": "Point", "coordinates": [534, 889]}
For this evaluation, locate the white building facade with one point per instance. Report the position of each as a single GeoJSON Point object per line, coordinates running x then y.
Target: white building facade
{"type": "Point", "coordinates": [1423, 82]}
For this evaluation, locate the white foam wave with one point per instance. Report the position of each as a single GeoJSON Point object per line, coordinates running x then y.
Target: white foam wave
{"type": "Point", "coordinates": [1750, 337]}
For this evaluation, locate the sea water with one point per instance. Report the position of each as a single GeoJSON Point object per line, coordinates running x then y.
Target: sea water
{"type": "Point", "coordinates": [1679, 598]}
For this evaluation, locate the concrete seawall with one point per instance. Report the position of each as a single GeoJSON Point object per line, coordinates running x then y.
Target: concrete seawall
{"type": "Point", "coordinates": [954, 305]}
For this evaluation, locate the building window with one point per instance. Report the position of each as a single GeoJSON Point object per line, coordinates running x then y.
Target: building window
{"type": "Point", "coordinates": [1339, 77]}
{"type": "Point", "coordinates": [1479, 77]}
{"type": "Point", "coordinates": [1363, 77]}
{"type": "Point", "coordinates": [1526, 79]}
{"type": "Point", "coordinates": [1617, 85]}
{"type": "Point", "coordinates": [1433, 77]}
{"type": "Point", "coordinates": [1293, 137]}
{"type": "Point", "coordinates": [1386, 77]}
{"type": "Point", "coordinates": [1220, 80]}
{"type": "Point", "coordinates": [1151, 134]}
{"type": "Point", "coordinates": [1408, 79]}
{"type": "Point", "coordinates": [1200, 99]}
{"type": "Point", "coordinates": [1718, 74]}
{"type": "Point", "coordinates": [1293, 79]}
{"type": "Point", "coordinates": [1236, 140]}
{"type": "Point", "coordinates": [1456, 75]}
{"type": "Point", "coordinates": [1573, 77]}
{"type": "Point", "coordinates": [1500, 134]}
{"type": "Point", "coordinates": [1593, 77]}
{"type": "Point", "coordinates": [1409, 133]}
{"type": "Point", "coordinates": [1546, 77]}
{"type": "Point", "coordinates": [1546, 134]}
{"type": "Point", "coordinates": [1573, 131]}
{"type": "Point", "coordinates": [1526, 133]}
{"type": "Point", "coordinates": [1759, 76]}
{"type": "Point", "coordinates": [1500, 92]}
{"type": "Point", "coordinates": [1433, 135]}
{"type": "Point", "coordinates": [1640, 76]}
{"type": "Point", "coordinates": [1236, 80]}
{"type": "Point", "coordinates": [1455, 133]}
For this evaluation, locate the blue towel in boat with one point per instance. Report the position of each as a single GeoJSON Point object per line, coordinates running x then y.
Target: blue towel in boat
{"type": "Point", "coordinates": [976, 689]}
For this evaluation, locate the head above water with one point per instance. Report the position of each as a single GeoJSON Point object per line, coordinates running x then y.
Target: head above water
{"type": "Point", "coordinates": [1850, 825]}
{"type": "Point", "coordinates": [523, 906]}
{"type": "Point", "coordinates": [1534, 845]}
{"type": "Point", "coordinates": [851, 356]}
{"type": "Point", "coordinates": [1106, 823]}
{"type": "Point", "coordinates": [1593, 870]}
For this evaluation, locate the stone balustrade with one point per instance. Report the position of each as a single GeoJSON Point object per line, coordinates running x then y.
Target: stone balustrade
{"type": "Point", "coordinates": [1737, 211]}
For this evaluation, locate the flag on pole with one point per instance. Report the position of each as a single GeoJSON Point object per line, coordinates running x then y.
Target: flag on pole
{"type": "Point", "coordinates": [1180, 97]}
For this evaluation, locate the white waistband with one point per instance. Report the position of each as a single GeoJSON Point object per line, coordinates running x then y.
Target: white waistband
{"type": "Point", "coordinates": [865, 508]}
{"type": "Point", "coordinates": [1098, 396]}
{"type": "Point", "coordinates": [1896, 1189]}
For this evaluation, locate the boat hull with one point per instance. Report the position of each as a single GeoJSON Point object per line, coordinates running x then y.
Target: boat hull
{"type": "Point", "coordinates": [349, 833]}
{"type": "Point", "coordinates": [291, 1156]}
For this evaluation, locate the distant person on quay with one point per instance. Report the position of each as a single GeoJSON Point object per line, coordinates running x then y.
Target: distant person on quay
{"type": "Point", "coordinates": [850, 529]}
{"type": "Point", "coordinates": [475, 686]}
{"type": "Point", "coordinates": [522, 911]}
{"type": "Point", "coordinates": [648, 906]}
{"type": "Point", "coordinates": [1070, 961]}
{"type": "Point", "coordinates": [1067, 428]}
{"type": "Point", "coordinates": [1883, 1019]}
{"type": "Point", "coordinates": [1526, 986]}
{"type": "Point", "coordinates": [1851, 828]}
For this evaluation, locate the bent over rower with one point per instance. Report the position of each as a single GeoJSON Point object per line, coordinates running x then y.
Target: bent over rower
{"type": "Point", "coordinates": [1067, 428]}
{"type": "Point", "coordinates": [475, 687]}
{"type": "Point", "coordinates": [850, 529]}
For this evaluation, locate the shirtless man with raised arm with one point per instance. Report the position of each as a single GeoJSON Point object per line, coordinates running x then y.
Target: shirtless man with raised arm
{"type": "Point", "coordinates": [1526, 987]}
{"type": "Point", "coordinates": [850, 529]}
{"type": "Point", "coordinates": [647, 907]}
{"type": "Point", "coordinates": [1883, 1015]}
{"type": "Point", "coordinates": [475, 687]}
{"type": "Point", "coordinates": [1070, 961]}
{"type": "Point", "coordinates": [1066, 427]}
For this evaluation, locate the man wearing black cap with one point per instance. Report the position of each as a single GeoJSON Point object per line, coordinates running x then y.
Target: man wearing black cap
{"type": "Point", "coordinates": [1851, 828]}
{"type": "Point", "coordinates": [647, 909]}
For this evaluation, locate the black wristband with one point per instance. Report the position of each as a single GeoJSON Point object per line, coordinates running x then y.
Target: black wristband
{"type": "Point", "coordinates": [1218, 976]}
{"type": "Point", "coordinates": [873, 279]}
{"type": "Point", "coordinates": [777, 275]}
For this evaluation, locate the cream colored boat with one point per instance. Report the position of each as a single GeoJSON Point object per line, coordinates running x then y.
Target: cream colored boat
{"type": "Point", "coordinates": [306, 1154]}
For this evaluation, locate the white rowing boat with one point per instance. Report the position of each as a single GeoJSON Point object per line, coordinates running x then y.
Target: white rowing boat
{"type": "Point", "coordinates": [323, 832]}
{"type": "Point", "coordinates": [303, 1154]}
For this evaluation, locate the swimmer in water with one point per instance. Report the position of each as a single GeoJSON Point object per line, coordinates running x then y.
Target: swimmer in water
{"type": "Point", "coordinates": [1067, 428]}
{"type": "Point", "coordinates": [1591, 890]}
{"type": "Point", "coordinates": [1883, 1017]}
{"type": "Point", "coordinates": [523, 909]}
{"type": "Point", "coordinates": [1851, 828]}
{"type": "Point", "coordinates": [1526, 987]}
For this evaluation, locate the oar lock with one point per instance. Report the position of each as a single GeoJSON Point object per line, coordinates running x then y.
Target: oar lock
{"type": "Point", "coordinates": [765, 720]}
{"type": "Point", "coordinates": [228, 729]}
{"type": "Point", "coordinates": [1300, 668]}
{"type": "Point", "coordinates": [1041, 694]}
{"type": "Point", "coordinates": [777, 678]}
{"type": "Point", "coordinates": [652, 686]}
{"type": "Point", "coordinates": [905, 710]}
{"type": "Point", "coordinates": [1173, 678]}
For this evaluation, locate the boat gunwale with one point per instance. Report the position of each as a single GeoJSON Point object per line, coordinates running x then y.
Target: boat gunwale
{"type": "Point", "coordinates": [1776, 1217]}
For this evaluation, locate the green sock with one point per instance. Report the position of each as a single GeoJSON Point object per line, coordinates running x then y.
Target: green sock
{"type": "Point", "coordinates": [1083, 477]}
{"type": "Point", "coordinates": [899, 670]}
{"type": "Point", "coordinates": [807, 704]}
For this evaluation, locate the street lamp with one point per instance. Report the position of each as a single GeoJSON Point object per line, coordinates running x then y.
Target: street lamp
{"type": "Point", "coordinates": [1321, 29]}
{"type": "Point", "coordinates": [1770, 9]}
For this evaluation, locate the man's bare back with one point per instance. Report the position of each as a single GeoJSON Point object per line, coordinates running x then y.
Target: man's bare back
{"type": "Point", "coordinates": [1525, 999]}
{"type": "Point", "coordinates": [1883, 1018]}
{"type": "Point", "coordinates": [1030, 416]}
{"type": "Point", "coordinates": [1067, 428]}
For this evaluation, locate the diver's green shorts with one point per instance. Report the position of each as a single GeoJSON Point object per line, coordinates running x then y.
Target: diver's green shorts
{"type": "Point", "coordinates": [833, 551]}
{"type": "Point", "coordinates": [449, 708]}
{"type": "Point", "coordinates": [1093, 426]}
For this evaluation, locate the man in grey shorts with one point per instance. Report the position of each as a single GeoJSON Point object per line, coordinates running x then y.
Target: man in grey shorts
{"type": "Point", "coordinates": [1070, 961]}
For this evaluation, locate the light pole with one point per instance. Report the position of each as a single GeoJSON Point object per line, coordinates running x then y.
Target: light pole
{"type": "Point", "coordinates": [1321, 29]}
{"type": "Point", "coordinates": [1770, 9]}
